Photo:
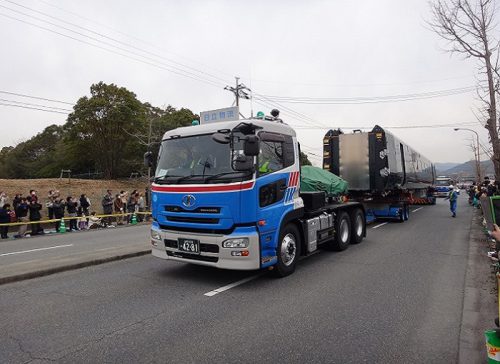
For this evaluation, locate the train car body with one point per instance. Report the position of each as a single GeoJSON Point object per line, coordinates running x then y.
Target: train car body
{"type": "Point", "coordinates": [383, 172]}
{"type": "Point", "coordinates": [376, 162]}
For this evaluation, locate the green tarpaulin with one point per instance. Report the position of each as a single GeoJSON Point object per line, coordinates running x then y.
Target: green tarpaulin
{"type": "Point", "coordinates": [317, 179]}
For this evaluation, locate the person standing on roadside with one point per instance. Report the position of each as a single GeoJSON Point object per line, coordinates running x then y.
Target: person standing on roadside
{"type": "Point", "coordinates": [33, 196]}
{"type": "Point", "coordinates": [141, 204]}
{"type": "Point", "coordinates": [58, 207]}
{"type": "Point", "coordinates": [84, 205]}
{"type": "Point", "coordinates": [131, 204]}
{"type": "Point", "coordinates": [3, 199]}
{"type": "Point", "coordinates": [71, 207]}
{"type": "Point", "coordinates": [34, 208]}
{"type": "Point", "coordinates": [107, 206]}
{"type": "Point", "coordinates": [16, 201]}
{"type": "Point", "coordinates": [118, 207]}
{"type": "Point", "coordinates": [124, 198]}
{"type": "Point", "coordinates": [453, 197]}
{"type": "Point", "coordinates": [22, 216]}
{"type": "Point", "coordinates": [4, 219]}
{"type": "Point", "coordinates": [52, 195]}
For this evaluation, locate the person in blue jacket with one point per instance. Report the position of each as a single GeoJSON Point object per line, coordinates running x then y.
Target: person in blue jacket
{"type": "Point", "coordinates": [453, 197]}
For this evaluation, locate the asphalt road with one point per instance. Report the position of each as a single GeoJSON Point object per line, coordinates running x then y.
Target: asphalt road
{"type": "Point", "coordinates": [395, 298]}
{"type": "Point", "coordinates": [22, 256]}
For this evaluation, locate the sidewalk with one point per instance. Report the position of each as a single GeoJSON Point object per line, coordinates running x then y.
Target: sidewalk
{"type": "Point", "coordinates": [51, 253]}
{"type": "Point", "coordinates": [480, 307]}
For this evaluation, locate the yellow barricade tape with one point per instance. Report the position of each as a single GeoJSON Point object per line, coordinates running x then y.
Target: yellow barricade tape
{"type": "Point", "coordinates": [74, 218]}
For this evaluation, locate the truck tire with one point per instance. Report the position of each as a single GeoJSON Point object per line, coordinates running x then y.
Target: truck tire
{"type": "Point", "coordinates": [358, 222]}
{"type": "Point", "coordinates": [342, 232]}
{"type": "Point", "coordinates": [401, 217]}
{"type": "Point", "coordinates": [407, 212]}
{"type": "Point", "coordinates": [288, 251]}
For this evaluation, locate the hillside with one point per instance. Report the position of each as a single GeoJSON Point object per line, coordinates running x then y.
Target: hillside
{"type": "Point", "coordinates": [469, 168]}
{"type": "Point", "coordinates": [442, 167]}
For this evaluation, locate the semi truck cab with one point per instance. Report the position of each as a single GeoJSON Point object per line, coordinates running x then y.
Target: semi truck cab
{"type": "Point", "coordinates": [222, 191]}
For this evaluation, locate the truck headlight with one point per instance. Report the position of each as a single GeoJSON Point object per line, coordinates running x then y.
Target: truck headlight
{"type": "Point", "coordinates": [235, 243]}
{"type": "Point", "coordinates": [155, 235]}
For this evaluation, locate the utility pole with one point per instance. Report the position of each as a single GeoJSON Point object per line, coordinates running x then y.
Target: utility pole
{"type": "Point", "coordinates": [240, 92]}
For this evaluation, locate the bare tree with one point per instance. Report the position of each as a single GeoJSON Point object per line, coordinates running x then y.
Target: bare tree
{"type": "Point", "coordinates": [468, 26]}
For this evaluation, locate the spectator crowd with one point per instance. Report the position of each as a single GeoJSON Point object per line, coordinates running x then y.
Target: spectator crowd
{"type": "Point", "coordinates": [79, 211]}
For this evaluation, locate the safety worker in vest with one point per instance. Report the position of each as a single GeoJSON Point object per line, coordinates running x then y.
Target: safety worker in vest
{"type": "Point", "coordinates": [264, 168]}
{"type": "Point", "coordinates": [453, 197]}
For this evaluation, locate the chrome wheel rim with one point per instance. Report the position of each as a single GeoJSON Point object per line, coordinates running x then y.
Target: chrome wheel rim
{"type": "Point", "coordinates": [288, 249]}
{"type": "Point", "coordinates": [359, 225]}
{"type": "Point", "coordinates": [344, 231]}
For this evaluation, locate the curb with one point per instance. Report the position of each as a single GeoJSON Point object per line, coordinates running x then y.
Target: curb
{"type": "Point", "coordinates": [476, 311]}
{"type": "Point", "coordinates": [64, 268]}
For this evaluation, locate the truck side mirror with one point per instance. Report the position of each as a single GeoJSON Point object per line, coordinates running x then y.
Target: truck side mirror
{"type": "Point", "coordinates": [251, 146]}
{"type": "Point", "coordinates": [148, 159]}
{"type": "Point", "coordinates": [243, 163]}
{"type": "Point", "coordinates": [221, 138]}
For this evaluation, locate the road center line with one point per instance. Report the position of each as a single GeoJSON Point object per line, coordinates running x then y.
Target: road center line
{"type": "Point", "coordinates": [36, 250]}
{"type": "Point", "coordinates": [420, 208]}
{"type": "Point", "coordinates": [379, 225]}
{"type": "Point", "coordinates": [232, 285]}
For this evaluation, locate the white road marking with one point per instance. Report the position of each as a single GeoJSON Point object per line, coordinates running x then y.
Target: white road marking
{"type": "Point", "coordinates": [231, 285]}
{"type": "Point", "coordinates": [379, 225]}
{"type": "Point", "coordinates": [35, 250]}
{"type": "Point", "coordinates": [420, 208]}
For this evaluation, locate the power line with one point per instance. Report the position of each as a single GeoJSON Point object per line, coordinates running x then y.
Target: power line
{"type": "Point", "coordinates": [36, 105]}
{"type": "Point", "coordinates": [347, 85]}
{"type": "Point", "coordinates": [32, 108]}
{"type": "Point", "coordinates": [196, 77]}
{"type": "Point", "coordinates": [133, 37]}
{"type": "Point", "coordinates": [367, 99]}
{"type": "Point", "coordinates": [106, 37]}
{"type": "Point", "coordinates": [35, 97]}
{"type": "Point", "coordinates": [390, 127]}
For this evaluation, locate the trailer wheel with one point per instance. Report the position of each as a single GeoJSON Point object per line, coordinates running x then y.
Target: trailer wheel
{"type": "Point", "coordinates": [401, 217]}
{"type": "Point", "coordinates": [288, 251]}
{"type": "Point", "coordinates": [407, 212]}
{"type": "Point", "coordinates": [358, 222]}
{"type": "Point", "coordinates": [342, 232]}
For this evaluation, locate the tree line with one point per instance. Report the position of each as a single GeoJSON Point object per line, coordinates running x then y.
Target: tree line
{"type": "Point", "coordinates": [107, 133]}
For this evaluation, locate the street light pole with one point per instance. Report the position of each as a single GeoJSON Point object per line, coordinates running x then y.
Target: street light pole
{"type": "Point", "coordinates": [477, 154]}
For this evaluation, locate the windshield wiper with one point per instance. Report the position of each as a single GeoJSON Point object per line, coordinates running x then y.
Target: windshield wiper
{"type": "Point", "coordinates": [215, 176]}
{"type": "Point", "coordinates": [185, 178]}
{"type": "Point", "coordinates": [164, 177]}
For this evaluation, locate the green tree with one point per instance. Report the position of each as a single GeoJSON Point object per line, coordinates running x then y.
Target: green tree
{"type": "Point", "coordinates": [33, 158]}
{"type": "Point", "coordinates": [100, 128]}
{"type": "Point", "coordinates": [304, 161]}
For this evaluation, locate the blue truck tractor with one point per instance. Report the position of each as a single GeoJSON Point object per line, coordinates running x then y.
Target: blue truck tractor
{"type": "Point", "coordinates": [227, 195]}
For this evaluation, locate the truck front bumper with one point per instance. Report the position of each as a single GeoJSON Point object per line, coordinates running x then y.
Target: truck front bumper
{"type": "Point", "coordinates": [212, 253]}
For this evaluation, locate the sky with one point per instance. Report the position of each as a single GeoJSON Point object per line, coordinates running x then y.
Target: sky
{"type": "Point", "coordinates": [183, 53]}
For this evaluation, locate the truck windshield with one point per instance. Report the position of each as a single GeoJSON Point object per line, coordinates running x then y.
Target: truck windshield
{"type": "Point", "coordinates": [197, 159]}
{"type": "Point", "coordinates": [443, 182]}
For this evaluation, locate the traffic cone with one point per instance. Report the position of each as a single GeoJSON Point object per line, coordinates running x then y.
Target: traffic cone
{"type": "Point", "coordinates": [62, 227]}
{"type": "Point", "coordinates": [133, 221]}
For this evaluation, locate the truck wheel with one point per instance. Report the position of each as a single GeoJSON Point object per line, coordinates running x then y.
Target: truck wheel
{"type": "Point", "coordinates": [342, 232]}
{"type": "Point", "coordinates": [288, 251]}
{"type": "Point", "coordinates": [358, 226]}
{"type": "Point", "coordinates": [407, 212]}
{"type": "Point", "coordinates": [401, 217]}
